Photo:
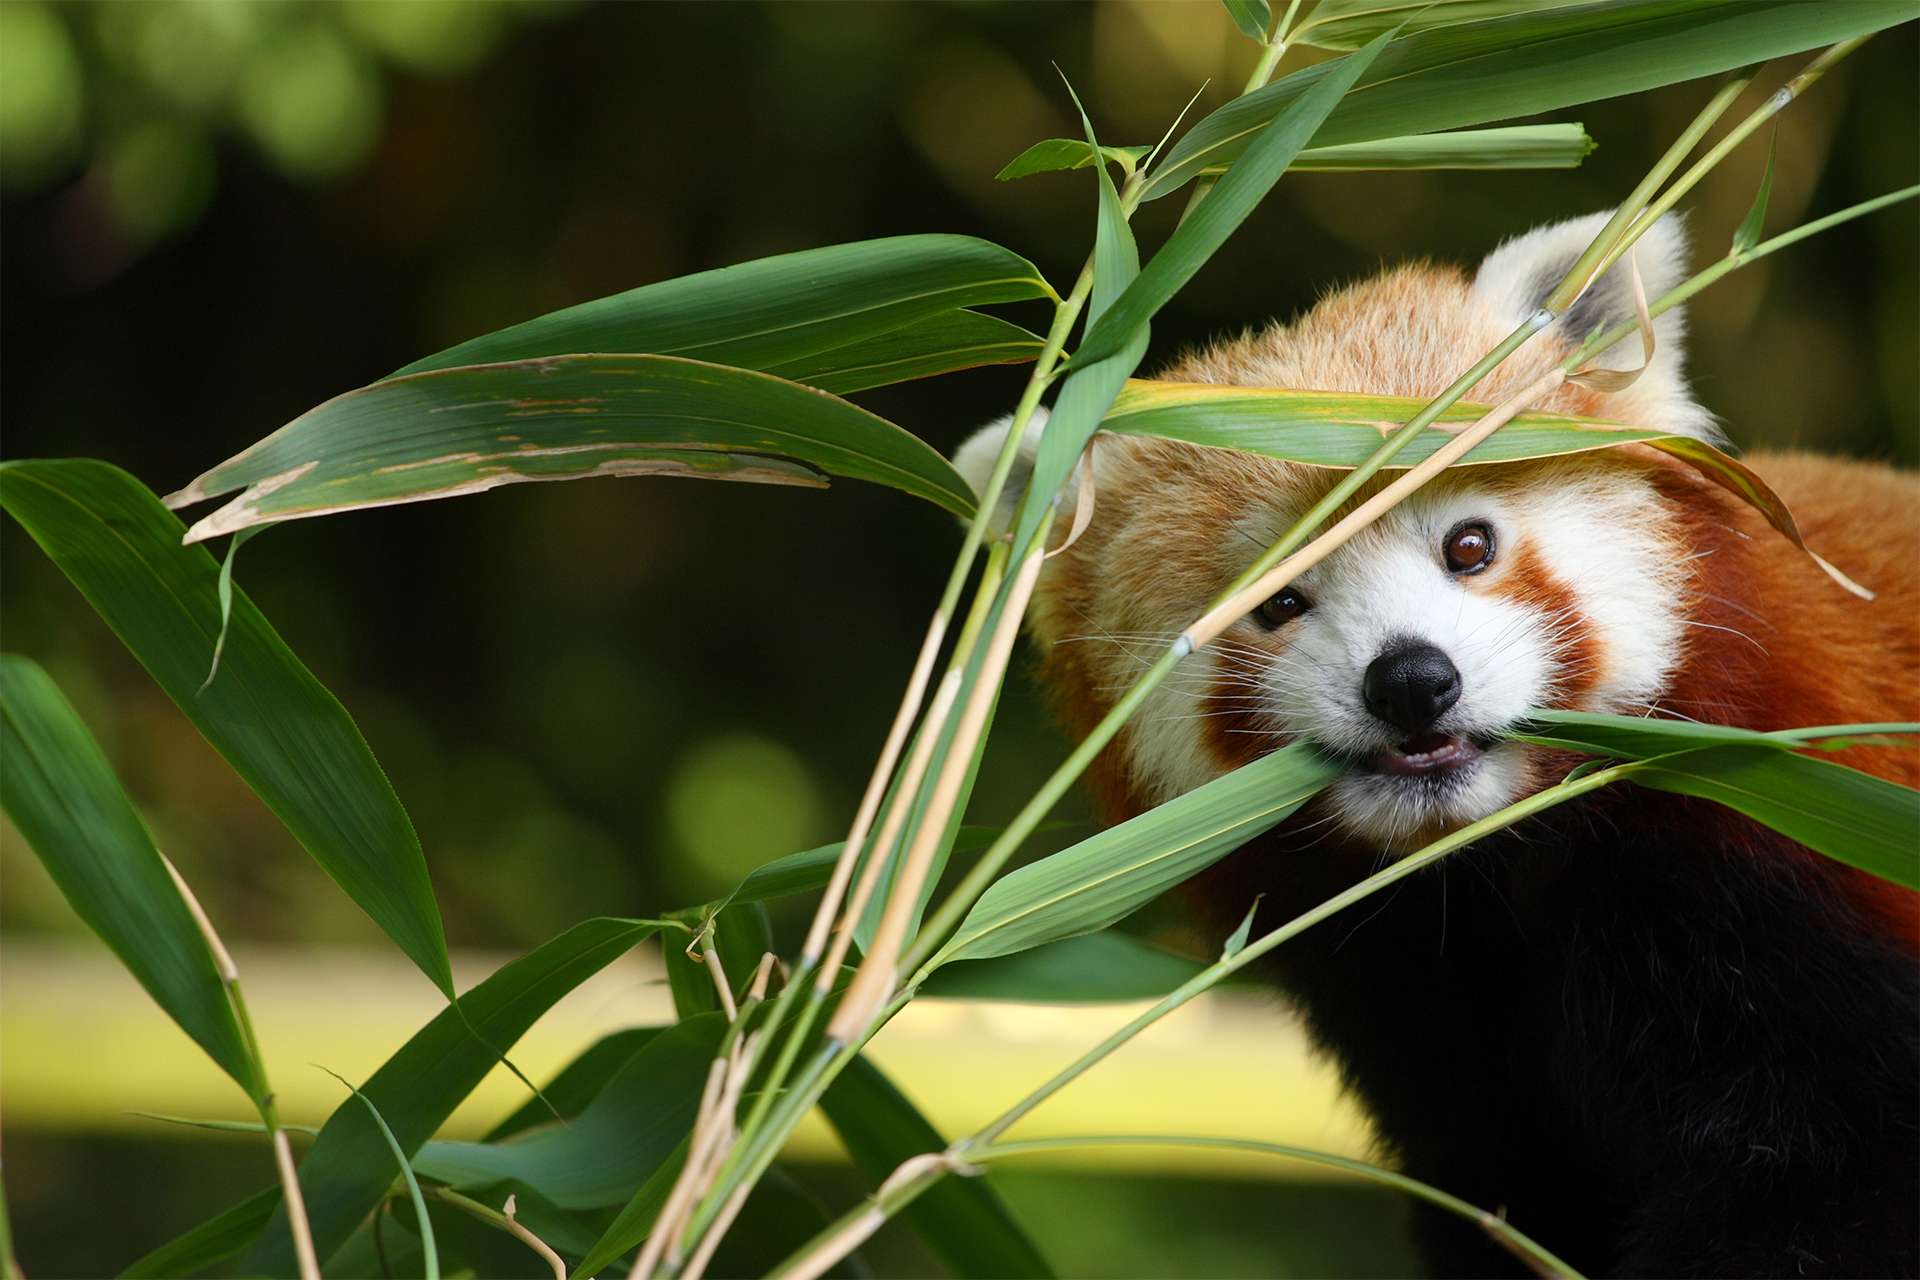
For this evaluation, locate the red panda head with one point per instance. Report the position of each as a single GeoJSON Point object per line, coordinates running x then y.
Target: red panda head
{"type": "Point", "coordinates": [1410, 650]}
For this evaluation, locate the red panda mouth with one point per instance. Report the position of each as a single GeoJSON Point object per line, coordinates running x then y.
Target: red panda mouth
{"type": "Point", "coordinates": [1427, 753]}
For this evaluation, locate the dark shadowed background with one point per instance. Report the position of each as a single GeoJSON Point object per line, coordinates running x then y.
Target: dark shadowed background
{"type": "Point", "coordinates": [616, 695]}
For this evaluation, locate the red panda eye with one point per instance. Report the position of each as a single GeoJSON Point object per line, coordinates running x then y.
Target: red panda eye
{"type": "Point", "coordinates": [1284, 607]}
{"type": "Point", "coordinates": [1468, 547]}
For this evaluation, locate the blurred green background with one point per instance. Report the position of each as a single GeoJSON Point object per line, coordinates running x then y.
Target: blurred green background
{"type": "Point", "coordinates": [616, 695]}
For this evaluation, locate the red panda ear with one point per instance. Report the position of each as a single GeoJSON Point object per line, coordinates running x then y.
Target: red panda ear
{"type": "Point", "coordinates": [1517, 277]}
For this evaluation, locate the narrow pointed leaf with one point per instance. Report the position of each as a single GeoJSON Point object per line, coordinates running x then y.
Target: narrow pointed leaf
{"type": "Point", "coordinates": [961, 1220]}
{"type": "Point", "coordinates": [1088, 392]}
{"type": "Point", "coordinates": [1527, 146]}
{"type": "Point", "coordinates": [469, 429]}
{"type": "Point", "coordinates": [1348, 24]}
{"type": "Point", "coordinates": [601, 1156]}
{"type": "Point", "coordinates": [1539, 59]}
{"type": "Point", "coordinates": [1850, 816]}
{"type": "Point", "coordinates": [1751, 226]}
{"type": "Point", "coordinates": [215, 1240]}
{"type": "Point", "coordinates": [773, 310]}
{"type": "Point", "coordinates": [282, 732]}
{"type": "Point", "coordinates": [578, 1083]}
{"type": "Point", "coordinates": [1253, 17]}
{"type": "Point", "coordinates": [1109, 875]}
{"type": "Point", "coordinates": [346, 1171]}
{"type": "Point", "coordinates": [631, 1226]}
{"type": "Point", "coordinates": [1095, 967]}
{"type": "Point", "coordinates": [1207, 226]}
{"type": "Point", "coordinates": [943, 343]}
{"type": "Point", "coordinates": [1342, 429]}
{"type": "Point", "coordinates": [422, 1222]}
{"type": "Point", "coordinates": [1854, 817]}
{"type": "Point", "coordinates": [61, 793]}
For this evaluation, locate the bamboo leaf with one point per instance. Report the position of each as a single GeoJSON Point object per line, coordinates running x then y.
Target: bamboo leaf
{"type": "Point", "coordinates": [1751, 226]}
{"type": "Point", "coordinates": [1539, 59]}
{"type": "Point", "coordinates": [421, 1220]}
{"type": "Point", "coordinates": [61, 793]}
{"type": "Point", "coordinates": [631, 1226]}
{"type": "Point", "coordinates": [1348, 24]}
{"type": "Point", "coordinates": [1107, 876]}
{"type": "Point", "coordinates": [1341, 429]}
{"type": "Point", "coordinates": [962, 1220]}
{"type": "Point", "coordinates": [1642, 737]}
{"type": "Point", "coordinates": [774, 310]}
{"type": "Point", "coordinates": [345, 1174]}
{"type": "Point", "coordinates": [1208, 225]}
{"type": "Point", "coordinates": [1091, 968]}
{"type": "Point", "coordinates": [469, 429]}
{"type": "Point", "coordinates": [601, 1156]}
{"type": "Point", "coordinates": [1054, 154]}
{"type": "Point", "coordinates": [1854, 817]}
{"type": "Point", "coordinates": [1527, 146]}
{"type": "Point", "coordinates": [1253, 17]}
{"type": "Point", "coordinates": [1088, 392]}
{"type": "Point", "coordinates": [943, 343]}
{"type": "Point", "coordinates": [578, 1083]}
{"type": "Point", "coordinates": [1850, 816]}
{"type": "Point", "coordinates": [215, 1240]}
{"type": "Point", "coordinates": [282, 732]}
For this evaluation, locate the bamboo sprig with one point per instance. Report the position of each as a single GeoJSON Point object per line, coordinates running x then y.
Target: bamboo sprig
{"type": "Point", "coordinates": [283, 1163]}
{"type": "Point", "coordinates": [1779, 100]}
{"type": "Point", "coordinates": [851, 1027]}
{"type": "Point", "coordinates": [910, 1180]}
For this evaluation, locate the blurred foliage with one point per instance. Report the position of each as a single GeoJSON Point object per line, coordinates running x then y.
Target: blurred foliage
{"type": "Point", "coordinates": [136, 97]}
{"type": "Point", "coordinates": [614, 696]}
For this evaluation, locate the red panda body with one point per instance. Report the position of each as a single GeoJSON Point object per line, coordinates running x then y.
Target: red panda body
{"type": "Point", "coordinates": [1664, 1039]}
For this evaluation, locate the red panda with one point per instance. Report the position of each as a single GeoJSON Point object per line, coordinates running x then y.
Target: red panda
{"type": "Point", "coordinates": [1663, 1039]}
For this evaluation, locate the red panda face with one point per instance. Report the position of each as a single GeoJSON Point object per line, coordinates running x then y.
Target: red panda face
{"type": "Point", "coordinates": [1413, 649]}
{"type": "Point", "coordinates": [1410, 651]}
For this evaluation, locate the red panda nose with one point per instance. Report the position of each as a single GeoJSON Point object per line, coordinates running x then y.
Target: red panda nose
{"type": "Point", "coordinates": [1411, 685]}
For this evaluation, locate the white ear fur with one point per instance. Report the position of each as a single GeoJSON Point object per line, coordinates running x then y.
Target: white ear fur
{"type": "Point", "coordinates": [1517, 276]}
{"type": "Point", "coordinates": [974, 461]}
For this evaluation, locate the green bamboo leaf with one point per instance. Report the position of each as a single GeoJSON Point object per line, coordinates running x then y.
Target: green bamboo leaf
{"type": "Point", "coordinates": [1253, 17]}
{"type": "Point", "coordinates": [1527, 146]}
{"type": "Point", "coordinates": [1054, 154]}
{"type": "Point", "coordinates": [1524, 146]}
{"type": "Point", "coordinates": [421, 1220]}
{"type": "Point", "coordinates": [1091, 968]}
{"type": "Point", "coordinates": [1208, 225]}
{"type": "Point", "coordinates": [282, 732]}
{"type": "Point", "coordinates": [1341, 429]}
{"type": "Point", "coordinates": [215, 1240]}
{"type": "Point", "coordinates": [1348, 24]}
{"type": "Point", "coordinates": [1088, 392]}
{"type": "Point", "coordinates": [345, 1173]}
{"type": "Point", "coordinates": [1540, 59]}
{"type": "Point", "coordinates": [1851, 816]}
{"type": "Point", "coordinates": [773, 310]}
{"type": "Point", "coordinates": [601, 1156]}
{"type": "Point", "coordinates": [943, 343]}
{"type": "Point", "coordinates": [1237, 941]}
{"type": "Point", "coordinates": [1107, 876]}
{"type": "Point", "coordinates": [578, 1083]}
{"type": "Point", "coordinates": [1751, 226]}
{"type": "Point", "coordinates": [1642, 737]}
{"type": "Point", "coordinates": [631, 1226]}
{"type": "Point", "coordinates": [469, 429]}
{"type": "Point", "coordinates": [962, 1220]}
{"type": "Point", "coordinates": [61, 793]}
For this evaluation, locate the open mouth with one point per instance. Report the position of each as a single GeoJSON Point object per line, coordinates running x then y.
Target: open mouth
{"type": "Point", "coordinates": [1427, 755]}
